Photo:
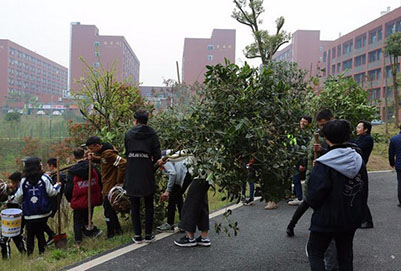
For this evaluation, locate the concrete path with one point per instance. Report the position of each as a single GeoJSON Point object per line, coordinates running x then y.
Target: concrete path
{"type": "Point", "coordinates": [263, 245]}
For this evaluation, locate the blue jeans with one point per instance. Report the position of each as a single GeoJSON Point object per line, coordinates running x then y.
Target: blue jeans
{"type": "Point", "coordinates": [296, 180]}
{"type": "Point", "coordinates": [251, 189]}
{"type": "Point", "coordinates": [399, 184]}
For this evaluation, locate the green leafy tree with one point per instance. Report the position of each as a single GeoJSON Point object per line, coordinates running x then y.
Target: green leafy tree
{"type": "Point", "coordinates": [108, 104]}
{"type": "Point", "coordinates": [345, 98]}
{"type": "Point", "coordinates": [242, 113]}
{"type": "Point", "coordinates": [393, 50]}
{"type": "Point", "coordinates": [13, 117]}
{"type": "Point", "coordinates": [248, 12]}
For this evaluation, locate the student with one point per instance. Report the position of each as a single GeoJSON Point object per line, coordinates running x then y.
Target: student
{"type": "Point", "coordinates": [337, 193]}
{"type": "Point", "coordinates": [394, 158]}
{"type": "Point", "coordinates": [112, 170]}
{"type": "Point", "coordinates": [179, 179]}
{"type": "Point", "coordinates": [195, 214]}
{"type": "Point", "coordinates": [250, 177]}
{"type": "Point", "coordinates": [76, 192]}
{"type": "Point", "coordinates": [19, 241]}
{"type": "Point", "coordinates": [142, 149]}
{"type": "Point", "coordinates": [34, 192]}
{"type": "Point", "coordinates": [365, 142]}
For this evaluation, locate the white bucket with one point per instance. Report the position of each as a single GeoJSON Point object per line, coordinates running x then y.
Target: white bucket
{"type": "Point", "coordinates": [11, 222]}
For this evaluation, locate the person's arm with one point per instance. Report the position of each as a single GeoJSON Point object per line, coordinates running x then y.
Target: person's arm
{"type": "Point", "coordinates": [366, 145]}
{"type": "Point", "coordinates": [155, 150]}
{"type": "Point", "coordinates": [118, 162]}
{"type": "Point", "coordinates": [319, 186]}
{"type": "Point", "coordinates": [50, 189]}
{"type": "Point", "coordinates": [19, 193]}
{"type": "Point", "coordinates": [171, 173]}
{"type": "Point", "coordinates": [391, 153]}
{"type": "Point", "coordinates": [69, 186]}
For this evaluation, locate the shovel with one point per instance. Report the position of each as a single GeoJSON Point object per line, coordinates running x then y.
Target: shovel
{"type": "Point", "coordinates": [90, 226]}
{"type": "Point", "coordinates": [60, 240]}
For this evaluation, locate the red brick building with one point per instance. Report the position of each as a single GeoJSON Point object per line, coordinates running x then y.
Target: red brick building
{"type": "Point", "coordinates": [200, 52]}
{"type": "Point", "coordinates": [99, 50]}
{"type": "Point", "coordinates": [360, 54]}
{"type": "Point", "coordinates": [26, 73]}
{"type": "Point", "coordinates": [305, 49]}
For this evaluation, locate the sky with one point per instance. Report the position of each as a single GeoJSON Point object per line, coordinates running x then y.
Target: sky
{"type": "Point", "coordinates": [156, 29]}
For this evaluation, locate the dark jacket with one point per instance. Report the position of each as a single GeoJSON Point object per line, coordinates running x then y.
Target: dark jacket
{"type": "Point", "coordinates": [338, 191]}
{"type": "Point", "coordinates": [142, 149]}
{"type": "Point", "coordinates": [76, 188]}
{"type": "Point", "coordinates": [395, 150]}
{"type": "Point", "coordinates": [365, 143]}
{"type": "Point", "coordinates": [112, 167]}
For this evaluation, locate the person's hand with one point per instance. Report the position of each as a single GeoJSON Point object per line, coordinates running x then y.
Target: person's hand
{"type": "Point", "coordinates": [301, 168]}
{"type": "Point", "coordinates": [164, 196]}
{"type": "Point", "coordinates": [161, 162]}
{"type": "Point", "coordinates": [317, 147]}
{"type": "Point", "coordinates": [314, 162]}
{"type": "Point", "coordinates": [90, 155]}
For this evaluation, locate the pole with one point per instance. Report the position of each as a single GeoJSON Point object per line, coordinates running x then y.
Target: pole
{"type": "Point", "coordinates": [178, 73]}
{"type": "Point", "coordinates": [89, 196]}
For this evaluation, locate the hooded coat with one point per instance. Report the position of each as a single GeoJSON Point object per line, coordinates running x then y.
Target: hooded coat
{"type": "Point", "coordinates": [76, 188]}
{"type": "Point", "coordinates": [112, 167]}
{"type": "Point", "coordinates": [338, 191]}
{"type": "Point", "coordinates": [142, 149]}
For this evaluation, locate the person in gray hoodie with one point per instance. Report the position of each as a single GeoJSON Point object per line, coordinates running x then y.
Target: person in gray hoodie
{"type": "Point", "coordinates": [337, 192]}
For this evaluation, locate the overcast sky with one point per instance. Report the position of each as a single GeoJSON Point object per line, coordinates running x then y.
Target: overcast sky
{"type": "Point", "coordinates": [156, 29]}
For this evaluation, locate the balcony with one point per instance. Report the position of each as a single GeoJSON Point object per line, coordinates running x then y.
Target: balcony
{"type": "Point", "coordinates": [359, 68]}
{"type": "Point", "coordinates": [374, 64]}
{"type": "Point", "coordinates": [347, 55]}
{"type": "Point", "coordinates": [375, 45]}
{"type": "Point", "coordinates": [374, 84]}
{"type": "Point", "coordinates": [360, 51]}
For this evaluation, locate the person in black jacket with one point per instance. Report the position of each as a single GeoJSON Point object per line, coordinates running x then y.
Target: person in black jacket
{"type": "Point", "coordinates": [365, 143]}
{"type": "Point", "coordinates": [142, 149]}
{"type": "Point", "coordinates": [337, 192]}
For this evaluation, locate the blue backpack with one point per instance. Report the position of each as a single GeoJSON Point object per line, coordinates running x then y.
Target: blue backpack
{"type": "Point", "coordinates": [35, 198]}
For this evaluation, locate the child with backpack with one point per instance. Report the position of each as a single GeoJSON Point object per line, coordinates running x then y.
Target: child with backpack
{"type": "Point", "coordinates": [76, 192]}
{"type": "Point", "coordinates": [34, 192]}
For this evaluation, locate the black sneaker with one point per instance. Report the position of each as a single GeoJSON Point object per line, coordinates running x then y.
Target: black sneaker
{"type": "Point", "coordinates": [137, 239]}
{"type": "Point", "coordinates": [290, 231]}
{"type": "Point", "coordinates": [150, 238]}
{"type": "Point", "coordinates": [248, 202]}
{"type": "Point", "coordinates": [185, 242]}
{"type": "Point", "coordinates": [202, 241]}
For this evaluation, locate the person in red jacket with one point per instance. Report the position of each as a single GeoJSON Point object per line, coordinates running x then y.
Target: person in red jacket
{"type": "Point", "coordinates": [76, 192]}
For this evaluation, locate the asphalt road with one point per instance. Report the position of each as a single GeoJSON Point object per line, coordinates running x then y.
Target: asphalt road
{"type": "Point", "coordinates": [263, 245]}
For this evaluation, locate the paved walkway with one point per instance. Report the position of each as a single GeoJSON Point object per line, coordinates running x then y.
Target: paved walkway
{"type": "Point", "coordinates": [263, 245]}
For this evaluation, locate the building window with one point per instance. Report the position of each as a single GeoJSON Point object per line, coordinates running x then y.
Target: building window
{"type": "Point", "coordinates": [374, 75]}
{"type": "Point", "coordinates": [210, 47]}
{"type": "Point", "coordinates": [210, 57]}
{"type": "Point", "coordinates": [360, 60]}
{"type": "Point", "coordinates": [360, 41]}
{"type": "Point", "coordinates": [96, 44]}
{"type": "Point", "coordinates": [96, 64]}
{"type": "Point", "coordinates": [97, 54]}
{"type": "Point", "coordinates": [347, 65]}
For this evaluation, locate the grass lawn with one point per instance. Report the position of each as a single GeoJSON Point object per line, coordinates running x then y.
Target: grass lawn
{"type": "Point", "coordinates": [55, 259]}
{"type": "Point", "coordinates": [379, 158]}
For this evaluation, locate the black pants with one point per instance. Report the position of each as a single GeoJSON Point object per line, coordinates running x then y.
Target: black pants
{"type": "Point", "coordinates": [195, 211]}
{"type": "Point", "coordinates": [35, 228]}
{"type": "Point", "coordinates": [80, 217]}
{"type": "Point", "coordinates": [299, 212]}
{"type": "Point", "coordinates": [5, 245]}
{"type": "Point", "coordinates": [136, 217]}
{"type": "Point", "coordinates": [113, 225]}
{"type": "Point", "coordinates": [175, 199]}
{"type": "Point", "coordinates": [48, 231]}
{"type": "Point", "coordinates": [318, 243]}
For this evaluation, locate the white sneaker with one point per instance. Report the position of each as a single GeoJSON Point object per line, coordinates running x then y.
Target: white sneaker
{"type": "Point", "coordinates": [295, 202]}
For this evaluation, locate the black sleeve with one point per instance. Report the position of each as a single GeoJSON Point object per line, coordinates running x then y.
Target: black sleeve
{"type": "Point", "coordinates": [319, 185]}
{"type": "Point", "coordinates": [69, 185]}
{"type": "Point", "coordinates": [100, 178]}
{"type": "Point", "coordinates": [156, 152]}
